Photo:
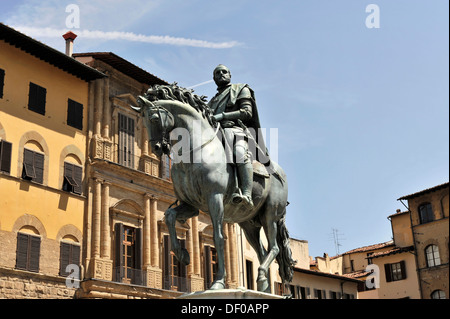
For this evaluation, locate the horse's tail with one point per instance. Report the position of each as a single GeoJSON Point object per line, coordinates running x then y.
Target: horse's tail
{"type": "Point", "coordinates": [284, 257]}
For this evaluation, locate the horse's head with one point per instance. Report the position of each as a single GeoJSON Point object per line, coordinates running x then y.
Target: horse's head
{"type": "Point", "coordinates": [159, 122]}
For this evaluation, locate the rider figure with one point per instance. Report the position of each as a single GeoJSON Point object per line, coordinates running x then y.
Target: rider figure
{"type": "Point", "coordinates": [234, 108]}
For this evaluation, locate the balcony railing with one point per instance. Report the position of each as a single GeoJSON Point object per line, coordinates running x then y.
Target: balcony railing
{"type": "Point", "coordinates": [130, 276]}
{"type": "Point", "coordinates": [176, 283]}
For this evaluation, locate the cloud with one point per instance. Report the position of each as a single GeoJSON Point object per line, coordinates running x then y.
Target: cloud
{"type": "Point", "coordinates": [126, 36]}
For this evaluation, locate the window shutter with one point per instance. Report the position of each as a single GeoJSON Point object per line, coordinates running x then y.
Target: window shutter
{"type": "Point", "coordinates": [387, 270]}
{"type": "Point", "coordinates": [76, 252]}
{"type": "Point", "coordinates": [36, 98]}
{"type": "Point", "coordinates": [77, 176]}
{"type": "Point", "coordinates": [5, 156]}
{"type": "Point", "coordinates": [119, 237]}
{"type": "Point", "coordinates": [64, 258]}
{"type": "Point", "coordinates": [403, 269]}
{"type": "Point", "coordinates": [75, 114]}
{"type": "Point", "coordinates": [22, 251]}
{"type": "Point", "coordinates": [138, 256]}
{"type": "Point", "coordinates": [35, 251]}
{"type": "Point", "coordinates": [39, 167]}
{"type": "Point", "coordinates": [28, 164]}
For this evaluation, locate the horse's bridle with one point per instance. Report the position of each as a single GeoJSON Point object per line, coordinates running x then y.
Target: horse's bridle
{"type": "Point", "coordinates": [164, 143]}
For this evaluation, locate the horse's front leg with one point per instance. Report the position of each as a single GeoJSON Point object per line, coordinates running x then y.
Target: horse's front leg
{"type": "Point", "coordinates": [180, 213]}
{"type": "Point", "coordinates": [216, 212]}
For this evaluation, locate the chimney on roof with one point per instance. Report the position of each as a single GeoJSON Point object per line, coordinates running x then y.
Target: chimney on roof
{"type": "Point", "coordinates": [69, 37]}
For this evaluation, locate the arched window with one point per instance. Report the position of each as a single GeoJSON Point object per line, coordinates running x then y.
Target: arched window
{"type": "Point", "coordinates": [28, 249]}
{"type": "Point", "coordinates": [438, 294]}
{"type": "Point", "coordinates": [426, 213]}
{"type": "Point", "coordinates": [432, 253]}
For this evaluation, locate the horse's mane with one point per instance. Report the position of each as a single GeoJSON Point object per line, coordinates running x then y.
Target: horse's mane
{"type": "Point", "coordinates": [177, 93]}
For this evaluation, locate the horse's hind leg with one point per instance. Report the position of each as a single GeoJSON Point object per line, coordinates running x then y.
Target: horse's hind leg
{"type": "Point", "coordinates": [252, 233]}
{"type": "Point", "coordinates": [180, 213]}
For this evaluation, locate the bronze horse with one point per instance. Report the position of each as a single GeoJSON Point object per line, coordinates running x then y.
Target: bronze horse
{"type": "Point", "coordinates": [203, 180]}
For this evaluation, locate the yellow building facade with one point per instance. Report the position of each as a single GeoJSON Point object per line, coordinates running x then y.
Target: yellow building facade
{"type": "Point", "coordinates": [43, 126]}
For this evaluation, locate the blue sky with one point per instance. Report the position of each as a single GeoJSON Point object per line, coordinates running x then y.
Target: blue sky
{"type": "Point", "coordinates": [362, 114]}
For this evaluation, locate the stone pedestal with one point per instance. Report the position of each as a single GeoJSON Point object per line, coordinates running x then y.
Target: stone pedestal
{"type": "Point", "coordinates": [239, 293]}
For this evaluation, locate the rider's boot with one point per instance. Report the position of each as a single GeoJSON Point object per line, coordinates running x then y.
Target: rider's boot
{"type": "Point", "coordinates": [245, 172]}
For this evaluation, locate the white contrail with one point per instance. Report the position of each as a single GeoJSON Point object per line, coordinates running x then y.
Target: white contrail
{"type": "Point", "coordinates": [200, 84]}
{"type": "Point", "coordinates": [128, 36]}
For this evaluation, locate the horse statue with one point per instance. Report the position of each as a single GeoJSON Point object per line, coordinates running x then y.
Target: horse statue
{"type": "Point", "coordinates": [204, 180]}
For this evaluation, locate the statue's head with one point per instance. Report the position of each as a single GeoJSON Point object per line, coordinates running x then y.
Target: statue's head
{"type": "Point", "coordinates": [221, 75]}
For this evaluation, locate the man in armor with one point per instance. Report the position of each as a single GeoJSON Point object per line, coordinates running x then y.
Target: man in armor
{"type": "Point", "coordinates": [234, 107]}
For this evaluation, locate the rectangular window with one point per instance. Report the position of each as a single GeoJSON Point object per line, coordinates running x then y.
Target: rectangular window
{"type": "Point", "coordinates": [69, 254]}
{"type": "Point", "coordinates": [33, 166]}
{"type": "Point", "coordinates": [395, 271]}
{"type": "Point", "coordinates": [174, 272]}
{"type": "Point", "coordinates": [36, 98]}
{"type": "Point", "coordinates": [75, 114]}
{"type": "Point", "coordinates": [426, 213]}
{"type": "Point", "coordinates": [72, 178]}
{"type": "Point", "coordinates": [2, 82]}
{"type": "Point", "coordinates": [166, 164]}
{"type": "Point", "coordinates": [5, 156]}
{"type": "Point", "coordinates": [126, 141]}
{"type": "Point", "coordinates": [128, 255]}
{"type": "Point", "coordinates": [28, 252]}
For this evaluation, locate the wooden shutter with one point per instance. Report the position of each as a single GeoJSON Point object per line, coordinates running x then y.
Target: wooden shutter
{"type": "Point", "coordinates": [387, 270]}
{"type": "Point", "coordinates": [64, 256]}
{"type": "Point", "coordinates": [118, 258]}
{"type": "Point", "coordinates": [5, 156]}
{"type": "Point", "coordinates": [138, 278]}
{"type": "Point", "coordinates": [39, 167]}
{"type": "Point", "coordinates": [28, 165]}
{"type": "Point", "coordinates": [22, 251]}
{"type": "Point", "coordinates": [37, 98]}
{"type": "Point", "coordinates": [78, 176]}
{"type": "Point", "coordinates": [403, 269]}
{"type": "Point", "coordinates": [35, 252]}
{"type": "Point", "coordinates": [75, 114]}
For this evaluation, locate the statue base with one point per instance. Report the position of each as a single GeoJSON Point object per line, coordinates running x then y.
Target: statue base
{"type": "Point", "coordinates": [239, 293]}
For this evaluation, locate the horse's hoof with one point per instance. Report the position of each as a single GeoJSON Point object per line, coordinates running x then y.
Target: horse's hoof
{"type": "Point", "coordinates": [218, 284]}
{"type": "Point", "coordinates": [263, 285]}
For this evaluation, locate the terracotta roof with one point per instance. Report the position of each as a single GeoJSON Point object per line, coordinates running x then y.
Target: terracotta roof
{"type": "Point", "coordinates": [425, 191]}
{"type": "Point", "coordinates": [357, 274]}
{"type": "Point", "coordinates": [399, 212]}
{"type": "Point", "coordinates": [48, 54]}
{"type": "Point", "coordinates": [370, 247]}
{"type": "Point", "coordinates": [324, 274]}
{"type": "Point", "coordinates": [123, 66]}
{"type": "Point", "coordinates": [393, 251]}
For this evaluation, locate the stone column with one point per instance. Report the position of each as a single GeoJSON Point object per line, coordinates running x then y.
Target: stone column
{"type": "Point", "coordinates": [106, 109]}
{"type": "Point", "coordinates": [98, 106]}
{"type": "Point", "coordinates": [190, 249]}
{"type": "Point", "coordinates": [154, 232]}
{"type": "Point", "coordinates": [196, 246]}
{"type": "Point", "coordinates": [105, 232]}
{"type": "Point", "coordinates": [147, 261]}
{"type": "Point", "coordinates": [96, 217]}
